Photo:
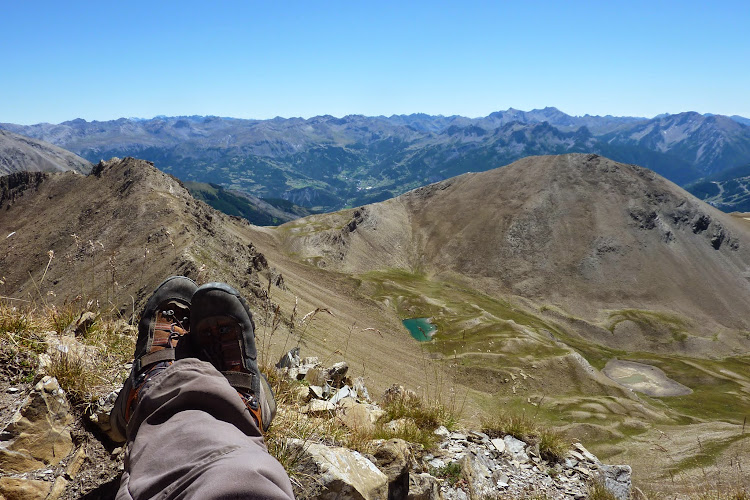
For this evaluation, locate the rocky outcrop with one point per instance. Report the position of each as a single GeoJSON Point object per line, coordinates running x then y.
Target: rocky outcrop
{"type": "Point", "coordinates": [13, 185]}
{"type": "Point", "coordinates": [464, 465]}
{"type": "Point", "coordinates": [38, 435]}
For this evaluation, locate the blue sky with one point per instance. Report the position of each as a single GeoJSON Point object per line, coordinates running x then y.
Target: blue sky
{"type": "Point", "coordinates": [105, 60]}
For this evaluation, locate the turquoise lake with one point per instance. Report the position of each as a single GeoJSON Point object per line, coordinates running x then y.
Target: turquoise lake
{"type": "Point", "coordinates": [420, 328]}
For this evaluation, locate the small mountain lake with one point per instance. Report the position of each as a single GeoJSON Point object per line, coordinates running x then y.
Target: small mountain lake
{"type": "Point", "coordinates": [420, 328]}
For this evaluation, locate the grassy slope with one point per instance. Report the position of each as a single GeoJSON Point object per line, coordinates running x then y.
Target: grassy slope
{"type": "Point", "coordinates": [503, 351]}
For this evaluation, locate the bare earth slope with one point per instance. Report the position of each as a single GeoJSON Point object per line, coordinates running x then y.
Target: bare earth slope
{"type": "Point", "coordinates": [118, 232]}
{"type": "Point", "coordinates": [577, 232]}
{"type": "Point", "coordinates": [115, 234]}
{"type": "Point", "coordinates": [19, 153]}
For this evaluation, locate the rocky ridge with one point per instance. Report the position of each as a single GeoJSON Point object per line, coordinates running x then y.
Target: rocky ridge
{"type": "Point", "coordinates": [124, 215]}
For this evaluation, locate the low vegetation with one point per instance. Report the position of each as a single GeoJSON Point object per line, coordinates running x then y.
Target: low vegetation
{"type": "Point", "coordinates": [552, 445]}
{"type": "Point", "coordinates": [27, 331]}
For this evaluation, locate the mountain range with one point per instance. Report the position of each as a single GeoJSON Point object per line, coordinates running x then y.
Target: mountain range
{"type": "Point", "coordinates": [327, 163]}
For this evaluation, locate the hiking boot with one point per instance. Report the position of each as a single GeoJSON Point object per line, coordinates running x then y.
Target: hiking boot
{"type": "Point", "coordinates": [164, 321]}
{"type": "Point", "coordinates": [223, 333]}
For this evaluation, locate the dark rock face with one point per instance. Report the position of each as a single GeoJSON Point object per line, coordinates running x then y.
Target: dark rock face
{"type": "Point", "coordinates": [15, 184]}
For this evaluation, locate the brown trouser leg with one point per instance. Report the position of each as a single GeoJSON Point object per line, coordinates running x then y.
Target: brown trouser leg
{"type": "Point", "coordinates": [191, 436]}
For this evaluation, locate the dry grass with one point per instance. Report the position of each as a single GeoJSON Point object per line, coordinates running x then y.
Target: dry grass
{"type": "Point", "coordinates": [597, 491]}
{"type": "Point", "coordinates": [75, 376]}
{"type": "Point", "coordinates": [86, 366]}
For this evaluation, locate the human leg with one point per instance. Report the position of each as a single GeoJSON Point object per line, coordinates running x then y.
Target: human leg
{"type": "Point", "coordinates": [190, 434]}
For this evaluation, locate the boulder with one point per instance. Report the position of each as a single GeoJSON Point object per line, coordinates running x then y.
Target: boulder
{"type": "Point", "coordinates": [39, 433]}
{"type": "Point", "coordinates": [397, 393]}
{"type": "Point", "coordinates": [423, 487]}
{"type": "Point", "coordinates": [24, 489]}
{"type": "Point", "coordinates": [339, 473]}
{"type": "Point", "coordinates": [393, 459]}
{"type": "Point", "coordinates": [478, 474]}
{"type": "Point", "coordinates": [516, 449]}
{"type": "Point", "coordinates": [334, 376]}
{"type": "Point", "coordinates": [358, 416]}
{"type": "Point", "coordinates": [617, 479]}
{"type": "Point", "coordinates": [337, 374]}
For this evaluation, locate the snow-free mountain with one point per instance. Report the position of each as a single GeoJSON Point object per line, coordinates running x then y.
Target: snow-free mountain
{"type": "Point", "coordinates": [327, 163]}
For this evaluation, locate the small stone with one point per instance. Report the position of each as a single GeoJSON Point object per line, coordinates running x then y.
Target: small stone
{"type": "Point", "coordinates": [516, 448]}
{"type": "Point", "coordinates": [586, 453]}
{"type": "Point", "coordinates": [12, 390]}
{"type": "Point", "coordinates": [82, 325]}
{"type": "Point", "coordinates": [342, 393]}
{"type": "Point", "coordinates": [442, 432]}
{"type": "Point", "coordinates": [51, 386]}
{"type": "Point", "coordinates": [290, 359]}
{"type": "Point", "coordinates": [499, 445]}
{"type": "Point", "coordinates": [320, 408]}
{"type": "Point", "coordinates": [576, 455]}
{"type": "Point", "coordinates": [58, 488]}
{"type": "Point", "coordinates": [360, 389]}
{"type": "Point", "coordinates": [316, 392]}
{"type": "Point", "coordinates": [436, 463]}
{"type": "Point", "coordinates": [75, 464]}
{"type": "Point", "coordinates": [478, 437]}
{"type": "Point", "coordinates": [116, 452]}
{"type": "Point", "coordinates": [397, 425]}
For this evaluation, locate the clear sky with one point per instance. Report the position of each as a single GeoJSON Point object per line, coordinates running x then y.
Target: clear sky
{"type": "Point", "coordinates": [108, 59]}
